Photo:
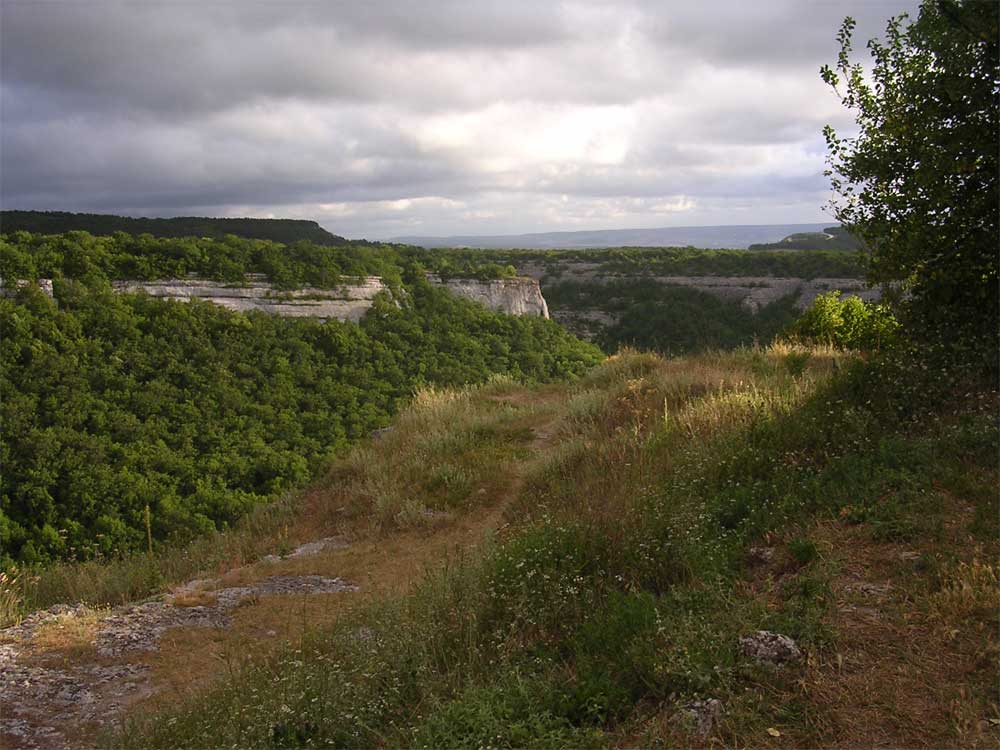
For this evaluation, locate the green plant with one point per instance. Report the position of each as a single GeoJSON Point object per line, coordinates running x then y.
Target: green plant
{"type": "Point", "coordinates": [849, 323]}
{"type": "Point", "coordinates": [803, 550]}
{"type": "Point", "coordinates": [919, 183]}
{"type": "Point", "coordinates": [11, 599]}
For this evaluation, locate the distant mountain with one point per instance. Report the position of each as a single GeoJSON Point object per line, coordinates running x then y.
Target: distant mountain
{"type": "Point", "coordinates": [830, 238]}
{"type": "Point", "coordinates": [278, 230]}
{"type": "Point", "coordinates": [733, 236]}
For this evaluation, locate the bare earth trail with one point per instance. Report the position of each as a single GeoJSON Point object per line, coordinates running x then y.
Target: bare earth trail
{"type": "Point", "coordinates": [70, 672]}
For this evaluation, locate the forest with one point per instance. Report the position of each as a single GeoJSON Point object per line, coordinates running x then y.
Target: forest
{"type": "Point", "coordinates": [673, 261]}
{"type": "Point", "coordinates": [58, 222]}
{"type": "Point", "coordinates": [671, 319]}
{"type": "Point", "coordinates": [112, 403]}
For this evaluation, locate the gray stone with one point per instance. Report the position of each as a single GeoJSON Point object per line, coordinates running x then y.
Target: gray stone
{"type": "Point", "coordinates": [347, 302]}
{"type": "Point", "coordinates": [870, 590]}
{"type": "Point", "coordinates": [704, 715]}
{"type": "Point", "coordinates": [760, 555]}
{"type": "Point", "coordinates": [769, 648]}
{"type": "Point", "coordinates": [320, 545]}
{"type": "Point", "coordinates": [517, 296]}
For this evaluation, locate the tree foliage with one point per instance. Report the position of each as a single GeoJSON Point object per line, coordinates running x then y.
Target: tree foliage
{"type": "Point", "coordinates": [110, 402]}
{"type": "Point", "coordinates": [918, 183]}
{"type": "Point", "coordinates": [848, 322]}
{"type": "Point", "coordinates": [59, 222]}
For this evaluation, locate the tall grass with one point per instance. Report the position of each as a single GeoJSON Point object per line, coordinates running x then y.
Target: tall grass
{"type": "Point", "coordinates": [621, 587]}
{"type": "Point", "coordinates": [446, 447]}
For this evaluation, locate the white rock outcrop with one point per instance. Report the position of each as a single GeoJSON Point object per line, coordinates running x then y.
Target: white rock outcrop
{"type": "Point", "coordinates": [350, 301]}
{"type": "Point", "coordinates": [516, 296]}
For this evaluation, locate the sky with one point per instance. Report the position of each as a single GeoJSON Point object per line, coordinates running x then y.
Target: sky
{"type": "Point", "coordinates": [380, 119]}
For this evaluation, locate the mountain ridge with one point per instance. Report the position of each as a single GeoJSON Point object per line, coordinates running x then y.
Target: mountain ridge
{"type": "Point", "coordinates": [734, 236]}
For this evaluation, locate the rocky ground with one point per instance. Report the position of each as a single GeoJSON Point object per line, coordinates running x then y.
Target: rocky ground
{"type": "Point", "coordinates": [72, 670]}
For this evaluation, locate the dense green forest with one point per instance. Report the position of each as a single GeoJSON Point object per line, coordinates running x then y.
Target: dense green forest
{"type": "Point", "coordinates": [58, 222]}
{"type": "Point", "coordinates": [78, 254]}
{"type": "Point", "coordinates": [671, 319]}
{"type": "Point", "coordinates": [672, 261]}
{"type": "Point", "coordinates": [113, 402]}
{"type": "Point", "coordinates": [81, 255]}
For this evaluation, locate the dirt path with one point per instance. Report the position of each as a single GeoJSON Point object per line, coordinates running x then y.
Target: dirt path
{"type": "Point", "coordinates": [900, 675]}
{"type": "Point", "coordinates": [72, 671]}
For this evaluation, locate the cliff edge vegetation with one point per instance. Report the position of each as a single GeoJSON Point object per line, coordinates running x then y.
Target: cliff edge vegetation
{"type": "Point", "coordinates": [131, 423]}
{"type": "Point", "coordinates": [588, 565]}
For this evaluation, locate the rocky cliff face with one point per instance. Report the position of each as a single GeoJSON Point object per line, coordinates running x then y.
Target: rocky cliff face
{"type": "Point", "coordinates": [519, 296]}
{"type": "Point", "coordinates": [752, 292]}
{"type": "Point", "coordinates": [350, 301]}
{"type": "Point", "coordinates": [347, 302]}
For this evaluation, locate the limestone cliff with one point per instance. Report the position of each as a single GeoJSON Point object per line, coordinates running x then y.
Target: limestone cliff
{"type": "Point", "coordinates": [517, 296]}
{"type": "Point", "coordinates": [752, 292]}
{"type": "Point", "coordinates": [350, 301]}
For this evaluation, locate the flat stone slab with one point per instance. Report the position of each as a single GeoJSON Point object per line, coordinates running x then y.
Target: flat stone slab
{"type": "Point", "coordinates": [37, 701]}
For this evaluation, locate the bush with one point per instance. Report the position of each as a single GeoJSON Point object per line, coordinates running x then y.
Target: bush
{"type": "Point", "coordinates": [849, 323]}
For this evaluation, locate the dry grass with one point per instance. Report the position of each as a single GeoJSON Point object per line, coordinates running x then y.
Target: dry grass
{"type": "Point", "coordinates": [969, 590]}
{"type": "Point", "coordinates": [11, 598]}
{"type": "Point", "coordinates": [447, 452]}
{"type": "Point", "coordinates": [909, 668]}
{"type": "Point", "coordinates": [69, 636]}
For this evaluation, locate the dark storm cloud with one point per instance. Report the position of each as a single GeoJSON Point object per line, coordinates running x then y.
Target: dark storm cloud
{"type": "Point", "coordinates": [771, 33]}
{"type": "Point", "coordinates": [464, 115]}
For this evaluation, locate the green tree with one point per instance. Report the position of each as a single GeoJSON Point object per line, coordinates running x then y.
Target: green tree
{"type": "Point", "coordinates": [918, 183]}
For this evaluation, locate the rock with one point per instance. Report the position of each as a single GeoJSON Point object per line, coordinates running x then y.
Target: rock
{"type": "Point", "coordinates": [36, 702]}
{"type": "Point", "coordinates": [769, 648]}
{"type": "Point", "coordinates": [760, 555]}
{"type": "Point", "coordinates": [347, 302]}
{"type": "Point", "coordinates": [281, 585]}
{"type": "Point", "coordinates": [517, 296]}
{"type": "Point", "coordinates": [703, 714]}
{"type": "Point", "coordinates": [321, 545]}
{"type": "Point", "coordinates": [140, 627]}
{"type": "Point", "coordinates": [380, 433]}
{"type": "Point", "coordinates": [871, 590]}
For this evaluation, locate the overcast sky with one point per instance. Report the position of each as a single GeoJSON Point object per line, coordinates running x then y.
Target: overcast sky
{"type": "Point", "coordinates": [380, 119]}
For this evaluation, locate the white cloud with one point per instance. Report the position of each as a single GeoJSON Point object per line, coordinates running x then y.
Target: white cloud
{"type": "Point", "coordinates": [458, 116]}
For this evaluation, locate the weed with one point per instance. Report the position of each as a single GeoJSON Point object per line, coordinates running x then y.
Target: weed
{"type": "Point", "coordinates": [969, 591]}
{"type": "Point", "coordinates": [803, 550]}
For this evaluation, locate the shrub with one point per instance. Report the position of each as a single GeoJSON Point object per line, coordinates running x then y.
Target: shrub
{"type": "Point", "coordinates": [849, 323]}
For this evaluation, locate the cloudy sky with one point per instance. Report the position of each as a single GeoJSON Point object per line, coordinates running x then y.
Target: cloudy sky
{"type": "Point", "coordinates": [380, 119]}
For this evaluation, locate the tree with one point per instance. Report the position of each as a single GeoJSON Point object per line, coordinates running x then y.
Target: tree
{"type": "Point", "coordinates": [918, 183]}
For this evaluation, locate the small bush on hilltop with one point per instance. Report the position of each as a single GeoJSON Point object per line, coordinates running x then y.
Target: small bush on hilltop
{"type": "Point", "coordinates": [849, 323]}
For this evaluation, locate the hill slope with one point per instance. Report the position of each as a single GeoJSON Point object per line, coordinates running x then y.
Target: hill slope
{"type": "Point", "coordinates": [277, 230]}
{"type": "Point", "coordinates": [597, 555]}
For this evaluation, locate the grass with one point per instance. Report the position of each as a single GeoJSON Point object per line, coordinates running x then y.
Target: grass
{"type": "Point", "coordinates": [618, 591]}
{"type": "Point", "coordinates": [445, 453]}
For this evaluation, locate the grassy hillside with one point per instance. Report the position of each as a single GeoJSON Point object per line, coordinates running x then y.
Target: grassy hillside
{"type": "Point", "coordinates": [831, 238]}
{"type": "Point", "coordinates": [637, 523]}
